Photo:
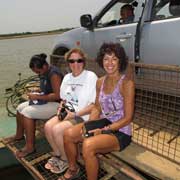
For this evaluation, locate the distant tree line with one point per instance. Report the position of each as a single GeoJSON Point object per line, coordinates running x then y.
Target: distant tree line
{"type": "Point", "coordinates": [35, 33]}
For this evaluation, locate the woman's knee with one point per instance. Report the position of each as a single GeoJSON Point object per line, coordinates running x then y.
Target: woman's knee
{"type": "Point", "coordinates": [68, 133]}
{"type": "Point", "coordinates": [48, 126]}
{"type": "Point", "coordinates": [19, 116]}
{"type": "Point", "coordinates": [88, 148]}
{"type": "Point", "coordinates": [73, 133]}
{"type": "Point", "coordinates": [57, 131]}
{"type": "Point", "coordinates": [21, 106]}
{"type": "Point", "coordinates": [61, 127]}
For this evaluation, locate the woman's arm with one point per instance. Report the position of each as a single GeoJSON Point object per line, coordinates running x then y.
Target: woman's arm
{"type": "Point", "coordinates": [86, 110]}
{"type": "Point", "coordinates": [55, 82]}
{"type": "Point", "coordinates": [82, 112]}
{"type": "Point", "coordinates": [96, 110]}
{"type": "Point", "coordinates": [128, 91]}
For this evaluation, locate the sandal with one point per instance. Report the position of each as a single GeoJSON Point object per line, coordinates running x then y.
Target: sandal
{"type": "Point", "coordinates": [73, 174]}
{"type": "Point", "coordinates": [59, 166]}
{"type": "Point", "coordinates": [24, 152]}
{"type": "Point", "coordinates": [50, 163]}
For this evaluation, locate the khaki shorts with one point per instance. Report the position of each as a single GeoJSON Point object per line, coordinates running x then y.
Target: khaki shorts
{"type": "Point", "coordinates": [44, 111]}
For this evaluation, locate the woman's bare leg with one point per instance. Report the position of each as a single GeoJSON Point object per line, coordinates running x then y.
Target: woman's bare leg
{"type": "Point", "coordinates": [29, 126]}
{"type": "Point", "coordinates": [71, 137]}
{"type": "Point", "coordinates": [19, 126]}
{"type": "Point", "coordinates": [48, 128]}
{"type": "Point", "coordinates": [57, 134]}
{"type": "Point", "coordinates": [98, 144]}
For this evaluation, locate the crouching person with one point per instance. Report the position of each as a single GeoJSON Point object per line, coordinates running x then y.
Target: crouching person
{"type": "Point", "coordinates": [114, 103]}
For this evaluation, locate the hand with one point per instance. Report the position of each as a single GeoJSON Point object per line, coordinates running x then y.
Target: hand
{"type": "Point", "coordinates": [58, 111]}
{"type": "Point", "coordinates": [70, 115]}
{"type": "Point", "coordinates": [95, 131]}
{"type": "Point", "coordinates": [59, 108]}
{"type": "Point", "coordinates": [33, 96]}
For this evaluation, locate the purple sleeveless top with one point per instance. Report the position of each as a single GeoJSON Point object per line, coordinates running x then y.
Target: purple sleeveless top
{"type": "Point", "coordinates": [112, 105]}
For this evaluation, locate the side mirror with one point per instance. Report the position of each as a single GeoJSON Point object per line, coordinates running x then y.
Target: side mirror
{"type": "Point", "coordinates": [86, 21]}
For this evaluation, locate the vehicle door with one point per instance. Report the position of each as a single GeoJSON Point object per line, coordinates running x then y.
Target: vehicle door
{"type": "Point", "coordinates": [107, 29]}
{"type": "Point", "coordinates": [160, 40]}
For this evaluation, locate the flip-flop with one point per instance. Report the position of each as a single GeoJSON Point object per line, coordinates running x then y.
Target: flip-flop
{"type": "Point", "coordinates": [74, 174]}
{"type": "Point", "coordinates": [59, 167]}
{"type": "Point", "coordinates": [50, 163]}
{"type": "Point", "coordinates": [23, 153]}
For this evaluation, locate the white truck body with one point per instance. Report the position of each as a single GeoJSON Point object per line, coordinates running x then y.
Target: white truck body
{"type": "Point", "coordinates": [153, 36]}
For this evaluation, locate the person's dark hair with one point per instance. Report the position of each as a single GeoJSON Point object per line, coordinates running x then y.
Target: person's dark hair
{"type": "Point", "coordinates": [38, 60]}
{"type": "Point", "coordinates": [128, 7]}
{"type": "Point", "coordinates": [118, 50]}
{"type": "Point", "coordinates": [174, 7]}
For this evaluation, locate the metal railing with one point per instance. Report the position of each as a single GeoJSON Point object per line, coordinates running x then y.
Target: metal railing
{"type": "Point", "coordinates": [156, 124]}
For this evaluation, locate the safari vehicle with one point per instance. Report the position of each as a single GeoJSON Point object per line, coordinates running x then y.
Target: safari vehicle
{"type": "Point", "coordinates": [152, 37]}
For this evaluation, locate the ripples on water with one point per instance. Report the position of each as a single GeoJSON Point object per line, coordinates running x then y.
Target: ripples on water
{"type": "Point", "coordinates": [15, 55]}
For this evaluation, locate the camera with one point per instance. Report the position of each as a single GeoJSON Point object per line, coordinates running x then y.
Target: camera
{"type": "Point", "coordinates": [63, 112]}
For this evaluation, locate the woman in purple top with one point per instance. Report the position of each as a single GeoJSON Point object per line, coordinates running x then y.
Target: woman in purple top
{"type": "Point", "coordinates": [115, 102]}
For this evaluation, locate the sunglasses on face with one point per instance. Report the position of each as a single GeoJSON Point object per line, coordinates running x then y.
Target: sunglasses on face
{"type": "Point", "coordinates": [75, 60]}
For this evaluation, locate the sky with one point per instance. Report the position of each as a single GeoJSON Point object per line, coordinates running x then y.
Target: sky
{"type": "Point", "coordinates": [18, 16]}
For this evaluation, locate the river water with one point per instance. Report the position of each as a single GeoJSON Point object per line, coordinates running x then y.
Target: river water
{"type": "Point", "coordinates": [15, 55]}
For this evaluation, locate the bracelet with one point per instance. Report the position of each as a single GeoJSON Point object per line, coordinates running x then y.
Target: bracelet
{"type": "Point", "coordinates": [108, 131]}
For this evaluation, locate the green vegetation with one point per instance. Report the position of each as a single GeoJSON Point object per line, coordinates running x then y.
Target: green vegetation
{"type": "Point", "coordinates": [24, 34]}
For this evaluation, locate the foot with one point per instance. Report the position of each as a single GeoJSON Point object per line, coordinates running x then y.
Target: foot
{"type": "Point", "coordinates": [71, 174]}
{"type": "Point", "coordinates": [14, 138]}
{"type": "Point", "coordinates": [59, 166]}
{"type": "Point", "coordinates": [50, 163]}
{"type": "Point", "coordinates": [24, 152]}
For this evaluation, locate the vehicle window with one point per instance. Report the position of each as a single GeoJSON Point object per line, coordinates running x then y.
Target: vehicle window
{"type": "Point", "coordinates": [120, 13]}
{"type": "Point", "coordinates": [109, 16]}
{"type": "Point", "coordinates": [164, 9]}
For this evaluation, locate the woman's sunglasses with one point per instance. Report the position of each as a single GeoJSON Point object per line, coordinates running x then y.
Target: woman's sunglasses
{"type": "Point", "coordinates": [75, 60]}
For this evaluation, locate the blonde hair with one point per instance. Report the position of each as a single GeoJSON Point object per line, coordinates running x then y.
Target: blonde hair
{"type": "Point", "coordinates": [76, 50]}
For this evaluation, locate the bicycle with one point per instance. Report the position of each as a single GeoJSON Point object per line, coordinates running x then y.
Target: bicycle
{"type": "Point", "coordinates": [15, 94]}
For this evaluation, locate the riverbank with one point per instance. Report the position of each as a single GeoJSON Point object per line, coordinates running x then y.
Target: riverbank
{"type": "Point", "coordinates": [31, 34]}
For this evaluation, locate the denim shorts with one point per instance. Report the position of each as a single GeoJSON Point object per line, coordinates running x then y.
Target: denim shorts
{"type": "Point", "coordinates": [123, 139]}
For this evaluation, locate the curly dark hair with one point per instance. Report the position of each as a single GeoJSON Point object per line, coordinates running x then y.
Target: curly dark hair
{"type": "Point", "coordinates": [118, 50]}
